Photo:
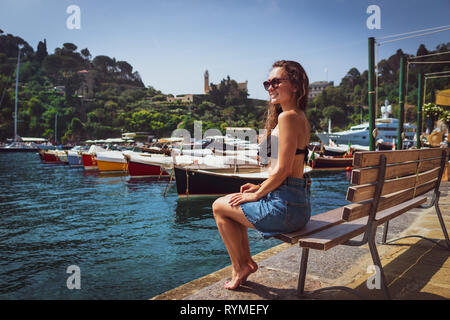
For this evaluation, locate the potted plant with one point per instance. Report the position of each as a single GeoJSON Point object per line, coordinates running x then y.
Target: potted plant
{"type": "Point", "coordinates": [432, 113]}
{"type": "Point", "coordinates": [445, 117]}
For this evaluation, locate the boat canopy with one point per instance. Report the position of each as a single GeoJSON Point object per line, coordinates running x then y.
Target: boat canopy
{"type": "Point", "coordinates": [33, 139]}
{"type": "Point", "coordinates": [443, 98]}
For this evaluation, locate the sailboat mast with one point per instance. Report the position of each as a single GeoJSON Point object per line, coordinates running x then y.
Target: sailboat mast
{"type": "Point", "coordinates": [371, 93]}
{"type": "Point", "coordinates": [17, 89]}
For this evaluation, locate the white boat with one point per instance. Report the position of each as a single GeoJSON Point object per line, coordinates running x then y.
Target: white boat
{"type": "Point", "coordinates": [142, 165]}
{"type": "Point", "coordinates": [111, 161]}
{"type": "Point", "coordinates": [359, 135]}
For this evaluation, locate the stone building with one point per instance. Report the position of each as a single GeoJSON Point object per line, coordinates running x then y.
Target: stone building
{"type": "Point", "coordinates": [207, 87]}
{"type": "Point", "coordinates": [86, 89]}
{"type": "Point", "coordinates": [315, 88]}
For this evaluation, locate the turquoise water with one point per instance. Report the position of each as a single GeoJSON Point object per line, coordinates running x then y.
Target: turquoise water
{"type": "Point", "coordinates": [129, 241]}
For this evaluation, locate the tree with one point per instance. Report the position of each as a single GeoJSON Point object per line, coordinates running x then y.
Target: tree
{"type": "Point", "coordinates": [69, 47]}
{"type": "Point", "coordinates": [334, 113]}
{"type": "Point", "coordinates": [41, 52]}
{"type": "Point", "coordinates": [422, 50]}
{"type": "Point", "coordinates": [85, 53]}
{"type": "Point", "coordinates": [103, 64]}
{"type": "Point", "coordinates": [351, 79]}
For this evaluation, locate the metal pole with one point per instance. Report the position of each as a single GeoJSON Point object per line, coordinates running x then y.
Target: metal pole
{"type": "Point", "coordinates": [419, 109]}
{"type": "Point", "coordinates": [17, 89]}
{"type": "Point", "coordinates": [371, 93]}
{"type": "Point", "coordinates": [401, 103]}
{"type": "Point", "coordinates": [56, 124]}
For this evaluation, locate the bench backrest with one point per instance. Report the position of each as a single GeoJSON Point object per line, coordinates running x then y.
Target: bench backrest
{"type": "Point", "coordinates": [387, 178]}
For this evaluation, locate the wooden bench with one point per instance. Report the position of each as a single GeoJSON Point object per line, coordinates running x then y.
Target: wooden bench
{"type": "Point", "coordinates": [385, 185]}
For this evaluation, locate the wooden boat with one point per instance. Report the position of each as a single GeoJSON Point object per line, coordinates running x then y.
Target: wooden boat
{"type": "Point", "coordinates": [111, 161]}
{"type": "Point", "coordinates": [74, 157]}
{"type": "Point", "coordinates": [89, 161]}
{"type": "Point", "coordinates": [53, 156]}
{"type": "Point", "coordinates": [216, 182]}
{"type": "Point", "coordinates": [48, 156]}
{"type": "Point", "coordinates": [88, 157]}
{"type": "Point", "coordinates": [332, 162]}
{"type": "Point", "coordinates": [142, 165]}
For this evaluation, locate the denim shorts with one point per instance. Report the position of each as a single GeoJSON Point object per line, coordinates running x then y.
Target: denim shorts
{"type": "Point", "coordinates": [285, 209]}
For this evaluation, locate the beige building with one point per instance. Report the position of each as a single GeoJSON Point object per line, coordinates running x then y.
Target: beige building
{"type": "Point", "coordinates": [315, 88]}
{"type": "Point", "coordinates": [207, 87]}
{"type": "Point", "coordinates": [182, 98]}
{"type": "Point", "coordinates": [86, 89]}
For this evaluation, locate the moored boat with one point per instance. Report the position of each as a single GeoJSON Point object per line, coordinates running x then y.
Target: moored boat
{"type": "Point", "coordinates": [387, 129]}
{"type": "Point", "coordinates": [88, 157]}
{"type": "Point", "coordinates": [332, 162]}
{"type": "Point", "coordinates": [111, 161]}
{"type": "Point", "coordinates": [216, 182]}
{"type": "Point", "coordinates": [144, 165]}
{"type": "Point", "coordinates": [50, 157]}
{"type": "Point", "coordinates": [74, 156]}
{"type": "Point", "coordinates": [53, 156]}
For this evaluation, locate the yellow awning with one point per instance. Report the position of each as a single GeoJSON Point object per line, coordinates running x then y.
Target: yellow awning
{"type": "Point", "coordinates": [443, 98]}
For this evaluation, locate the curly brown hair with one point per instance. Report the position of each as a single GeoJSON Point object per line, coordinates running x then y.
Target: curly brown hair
{"type": "Point", "coordinates": [298, 78]}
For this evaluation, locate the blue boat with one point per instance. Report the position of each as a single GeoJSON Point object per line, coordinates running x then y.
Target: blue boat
{"type": "Point", "coordinates": [74, 156]}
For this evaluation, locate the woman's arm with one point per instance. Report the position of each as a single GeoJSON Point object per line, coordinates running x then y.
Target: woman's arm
{"type": "Point", "coordinates": [288, 131]}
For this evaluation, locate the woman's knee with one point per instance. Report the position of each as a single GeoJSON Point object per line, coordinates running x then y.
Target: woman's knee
{"type": "Point", "coordinates": [220, 204]}
{"type": "Point", "coordinates": [217, 206]}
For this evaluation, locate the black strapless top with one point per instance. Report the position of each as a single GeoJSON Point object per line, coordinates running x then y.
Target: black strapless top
{"type": "Point", "coordinates": [268, 142]}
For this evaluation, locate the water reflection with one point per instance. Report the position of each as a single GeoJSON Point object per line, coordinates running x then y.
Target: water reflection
{"type": "Point", "coordinates": [146, 184]}
{"type": "Point", "coordinates": [193, 209]}
{"type": "Point", "coordinates": [133, 237]}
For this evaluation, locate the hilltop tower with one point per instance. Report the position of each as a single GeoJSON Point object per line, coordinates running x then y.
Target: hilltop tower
{"type": "Point", "coordinates": [206, 76]}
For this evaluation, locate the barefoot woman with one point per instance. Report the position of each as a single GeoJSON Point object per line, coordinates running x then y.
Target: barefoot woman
{"type": "Point", "coordinates": [281, 203]}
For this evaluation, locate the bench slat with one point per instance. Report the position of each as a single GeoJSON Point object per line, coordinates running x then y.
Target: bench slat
{"type": "Point", "coordinates": [343, 232]}
{"type": "Point", "coordinates": [391, 213]}
{"type": "Point", "coordinates": [372, 158]}
{"type": "Point", "coordinates": [316, 223]}
{"type": "Point", "coordinates": [365, 192]}
{"type": "Point", "coordinates": [370, 175]}
{"type": "Point", "coordinates": [331, 237]}
{"type": "Point", "coordinates": [357, 210]}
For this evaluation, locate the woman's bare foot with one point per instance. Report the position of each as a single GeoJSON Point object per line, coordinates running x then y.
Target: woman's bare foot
{"type": "Point", "coordinates": [240, 277]}
{"type": "Point", "coordinates": [253, 266]}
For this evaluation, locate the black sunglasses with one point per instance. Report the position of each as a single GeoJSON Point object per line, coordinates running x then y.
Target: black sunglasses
{"type": "Point", "coordinates": [275, 82]}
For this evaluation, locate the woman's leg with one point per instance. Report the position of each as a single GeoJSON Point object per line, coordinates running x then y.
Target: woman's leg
{"type": "Point", "coordinates": [232, 225]}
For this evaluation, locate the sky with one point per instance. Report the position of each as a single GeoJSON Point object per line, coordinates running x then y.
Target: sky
{"type": "Point", "coordinates": [172, 42]}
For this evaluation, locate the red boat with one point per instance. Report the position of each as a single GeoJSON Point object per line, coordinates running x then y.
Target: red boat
{"type": "Point", "coordinates": [50, 157]}
{"type": "Point", "coordinates": [89, 161]}
{"type": "Point", "coordinates": [140, 165]}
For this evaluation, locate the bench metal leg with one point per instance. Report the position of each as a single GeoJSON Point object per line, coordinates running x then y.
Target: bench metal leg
{"type": "Point", "coordinates": [376, 260]}
{"type": "Point", "coordinates": [302, 278]}
{"type": "Point", "coordinates": [302, 271]}
{"type": "Point", "coordinates": [441, 221]}
{"type": "Point", "coordinates": [385, 231]}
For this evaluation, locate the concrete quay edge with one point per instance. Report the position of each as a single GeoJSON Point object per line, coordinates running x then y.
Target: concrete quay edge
{"type": "Point", "coordinates": [415, 269]}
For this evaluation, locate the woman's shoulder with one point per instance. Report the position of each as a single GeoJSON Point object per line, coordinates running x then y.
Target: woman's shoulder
{"type": "Point", "coordinates": [291, 115]}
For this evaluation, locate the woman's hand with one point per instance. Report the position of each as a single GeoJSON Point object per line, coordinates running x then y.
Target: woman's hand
{"type": "Point", "coordinates": [250, 188]}
{"type": "Point", "coordinates": [238, 198]}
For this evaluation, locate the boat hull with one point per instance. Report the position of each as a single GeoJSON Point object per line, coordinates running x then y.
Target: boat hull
{"type": "Point", "coordinates": [192, 183]}
{"type": "Point", "coordinates": [141, 170]}
{"type": "Point", "coordinates": [75, 160]}
{"type": "Point", "coordinates": [18, 149]}
{"type": "Point", "coordinates": [89, 162]}
{"type": "Point", "coordinates": [110, 166]}
{"type": "Point", "coordinates": [324, 162]}
{"type": "Point", "coordinates": [50, 157]}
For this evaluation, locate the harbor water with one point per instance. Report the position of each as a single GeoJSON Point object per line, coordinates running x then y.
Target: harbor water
{"type": "Point", "coordinates": [128, 240]}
